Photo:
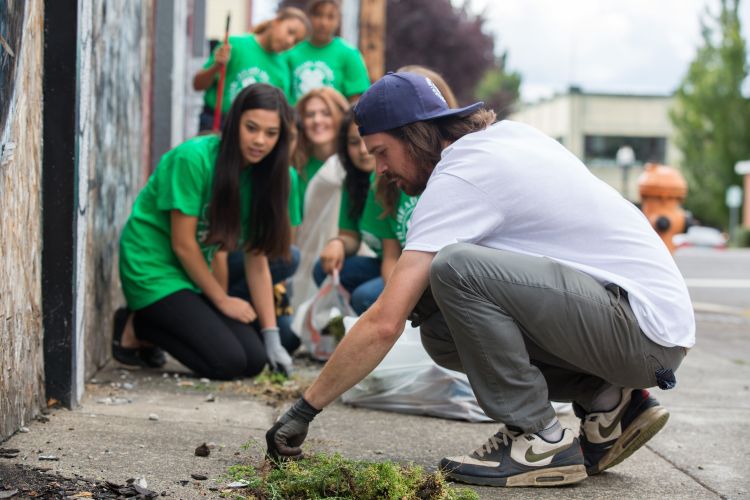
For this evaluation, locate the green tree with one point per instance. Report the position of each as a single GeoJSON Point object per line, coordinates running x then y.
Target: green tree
{"type": "Point", "coordinates": [712, 116]}
{"type": "Point", "coordinates": [499, 89]}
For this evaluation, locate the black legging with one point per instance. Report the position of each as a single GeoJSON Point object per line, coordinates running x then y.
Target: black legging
{"type": "Point", "coordinates": [190, 328]}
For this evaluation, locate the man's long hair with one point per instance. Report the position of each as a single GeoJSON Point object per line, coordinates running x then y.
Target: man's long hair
{"type": "Point", "coordinates": [269, 229]}
{"type": "Point", "coordinates": [424, 140]}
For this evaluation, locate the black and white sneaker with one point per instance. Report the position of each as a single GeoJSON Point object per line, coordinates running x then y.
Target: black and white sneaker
{"type": "Point", "coordinates": [508, 459]}
{"type": "Point", "coordinates": [609, 437]}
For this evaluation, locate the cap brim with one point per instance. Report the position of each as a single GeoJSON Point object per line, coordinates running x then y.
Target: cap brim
{"type": "Point", "coordinates": [465, 111]}
{"type": "Point", "coordinates": [460, 112]}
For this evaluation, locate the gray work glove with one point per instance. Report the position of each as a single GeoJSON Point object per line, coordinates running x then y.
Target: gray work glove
{"type": "Point", "coordinates": [290, 430]}
{"type": "Point", "coordinates": [278, 358]}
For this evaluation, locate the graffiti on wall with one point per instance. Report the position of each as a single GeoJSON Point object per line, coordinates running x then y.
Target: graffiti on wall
{"type": "Point", "coordinates": [11, 26]}
{"type": "Point", "coordinates": [119, 55]}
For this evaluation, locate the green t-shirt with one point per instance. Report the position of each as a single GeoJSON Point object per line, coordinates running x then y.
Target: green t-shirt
{"type": "Point", "coordinates": [345, 219]}
{"type": "Point", "coordinates": [369, 211]}
{"type": "Point", "coordinates": [149, 268]}
{"type": "Point", "coordinates": [308, 172]}
{"type": "Point", "coordinates": [393, 226]}
{"type": "Point", "coordinates": [248, 63]}
{"type": "Point", "coordinates": [295, 210]}
{"type": "Point", "coordinates": [338, 65]}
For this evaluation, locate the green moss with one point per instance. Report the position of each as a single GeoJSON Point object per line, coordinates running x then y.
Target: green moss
{"type": "Point", "coordinates": [332, 476]}
{"type": "Point", "coordinates": [269, 377]}
{"type": "Point", "coordinates": [335, 328]}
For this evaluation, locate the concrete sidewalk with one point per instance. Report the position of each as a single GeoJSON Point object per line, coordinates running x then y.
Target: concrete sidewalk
{"type": "Point", "coordinates": [144, 424]}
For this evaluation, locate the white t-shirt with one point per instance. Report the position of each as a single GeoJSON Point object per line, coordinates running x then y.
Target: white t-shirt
{"type": "Point", "coordinates": [513, 188]}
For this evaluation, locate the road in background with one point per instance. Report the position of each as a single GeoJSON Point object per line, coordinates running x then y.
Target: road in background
{"type": "Point", "coordinates": [717, 278]}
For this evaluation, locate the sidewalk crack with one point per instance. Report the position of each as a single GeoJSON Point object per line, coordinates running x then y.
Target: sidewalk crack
{"type": "Point", "coordinates": [687, 473]}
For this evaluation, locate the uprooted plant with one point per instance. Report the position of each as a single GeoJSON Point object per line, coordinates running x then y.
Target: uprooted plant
{"type": "Point", "coordinates": [332, 476]}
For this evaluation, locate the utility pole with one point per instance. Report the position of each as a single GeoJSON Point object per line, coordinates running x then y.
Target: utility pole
{"type": "Point", "coordinates": [372, 36]}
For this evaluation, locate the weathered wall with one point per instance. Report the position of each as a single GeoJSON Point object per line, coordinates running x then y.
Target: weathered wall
{"type": "Point", "coordinates": [115, 100]}
{"type": "Point", "coordinates": [21, 353]}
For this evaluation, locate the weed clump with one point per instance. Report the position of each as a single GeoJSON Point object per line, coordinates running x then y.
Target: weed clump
{"type": "Point", "coordinates": [331, 476]}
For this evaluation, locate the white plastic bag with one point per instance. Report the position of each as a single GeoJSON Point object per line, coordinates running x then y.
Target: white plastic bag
{"type": "Point", "coordinates": [321, 315]}
{"type": "Point", "coordinates": [409, 381]}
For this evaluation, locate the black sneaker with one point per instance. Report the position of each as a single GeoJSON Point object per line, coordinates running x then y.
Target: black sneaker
{"type": "Point", "coordinates": [609, 437]}
{"type": "Point", "coordinates": [152, 357]}
{"type": "Point", "coordinates": [519, 460]}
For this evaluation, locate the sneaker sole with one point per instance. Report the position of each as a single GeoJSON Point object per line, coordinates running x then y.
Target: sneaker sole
{"type": "Point", "coordinates": [638, 433]}
{"type": "Point", "coordinates": [553, 476]}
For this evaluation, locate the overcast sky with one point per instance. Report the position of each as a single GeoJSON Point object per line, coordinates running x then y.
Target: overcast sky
{"type": "Point", "coordinates": [633, 46]}
{"type": "Point", "coordinates": [629, 46]}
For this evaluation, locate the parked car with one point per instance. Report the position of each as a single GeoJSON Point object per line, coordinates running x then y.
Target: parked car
{"type": "Point", "coordinates": [700, 236]}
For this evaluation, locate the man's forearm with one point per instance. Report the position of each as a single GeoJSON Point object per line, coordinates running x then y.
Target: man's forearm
{"type": "Point", "coordinates": [360, 351]}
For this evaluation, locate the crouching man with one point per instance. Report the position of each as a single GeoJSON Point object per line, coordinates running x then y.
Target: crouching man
{"type": "Point", "coordinates": [527, 273]}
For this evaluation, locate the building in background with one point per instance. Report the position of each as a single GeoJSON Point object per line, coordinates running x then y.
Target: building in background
{"type": "Point", "coordinates": [243, 13]}
{"type": "Point", "coordinates": [595, 127]}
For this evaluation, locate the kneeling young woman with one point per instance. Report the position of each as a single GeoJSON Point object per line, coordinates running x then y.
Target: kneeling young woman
{"type": "Point", "coordinates": [210, 193]}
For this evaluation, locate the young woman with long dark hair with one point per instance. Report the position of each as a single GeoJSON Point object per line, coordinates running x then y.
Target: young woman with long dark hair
{"type": "Point", "coordinates": [211, 193]}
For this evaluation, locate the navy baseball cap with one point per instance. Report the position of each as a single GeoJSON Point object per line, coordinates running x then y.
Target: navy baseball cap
{"type": "Point", "coordinates": [398, 99]}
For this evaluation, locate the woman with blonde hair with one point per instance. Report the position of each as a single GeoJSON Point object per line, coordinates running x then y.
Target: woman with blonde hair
{"type": "Point", "coordinates": [320, 179]}
{"type": "Point", "coordinates": [321, 111]}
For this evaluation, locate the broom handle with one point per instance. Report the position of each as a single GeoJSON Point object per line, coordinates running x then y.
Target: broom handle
{"type": "Point", "coordinates": [220, 89]}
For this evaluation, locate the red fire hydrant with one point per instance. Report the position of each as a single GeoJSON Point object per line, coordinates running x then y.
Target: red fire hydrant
{"type": "Point", "coordinates": [662, 190]}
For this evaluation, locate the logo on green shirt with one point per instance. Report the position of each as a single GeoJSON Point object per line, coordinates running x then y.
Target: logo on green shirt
{"type": "Point", "coordinates": [201, 234]}
{"type": "Point", "coordinates": [247, 77]}
{"type": "Point", "coordinates": [403, 217]}
{"type": "Point", "coordinates": [312, 75]}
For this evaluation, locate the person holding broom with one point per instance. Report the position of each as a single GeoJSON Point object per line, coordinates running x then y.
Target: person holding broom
{"type": "Point", "coordinates": [250, 58]}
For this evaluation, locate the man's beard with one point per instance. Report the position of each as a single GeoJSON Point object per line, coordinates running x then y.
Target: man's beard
{"type": "Point", "coordinates": [417, 185]}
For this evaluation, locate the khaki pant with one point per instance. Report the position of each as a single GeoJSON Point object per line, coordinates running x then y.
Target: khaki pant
{"type": "Point", "coordinates": [527, 330]}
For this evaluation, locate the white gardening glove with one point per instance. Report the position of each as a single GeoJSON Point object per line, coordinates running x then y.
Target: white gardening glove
{"type": "Point", "coordinates": [278, 358]}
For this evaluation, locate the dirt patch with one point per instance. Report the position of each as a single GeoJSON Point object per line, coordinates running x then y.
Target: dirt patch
{"type": "Point", "coordinates": [269, 388]}
{"type": "Point", "coordinates": [22, 481]}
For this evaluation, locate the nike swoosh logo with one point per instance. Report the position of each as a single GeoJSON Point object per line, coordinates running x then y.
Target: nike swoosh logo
{"type": "Point", "coordinates": [605, 432]}
{"type": "Point", "coordinates": [536, 457]}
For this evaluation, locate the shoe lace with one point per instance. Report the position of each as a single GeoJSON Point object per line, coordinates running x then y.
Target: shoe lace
{"type": "Point", "coordinates": [493, 443]}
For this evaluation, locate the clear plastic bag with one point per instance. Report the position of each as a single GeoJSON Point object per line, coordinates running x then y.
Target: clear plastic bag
{"type": "Point", "coordinates": [409, 381]}
{"type": "Point", "coordinates": [322, 325]}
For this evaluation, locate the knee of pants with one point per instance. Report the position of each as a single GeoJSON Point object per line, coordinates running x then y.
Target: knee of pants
{"type": "Point", "coordinates": [440, 348]}
{"type": "Point", "coordinates": [446, 265]}
{"type": "Point", "coordinates": [289, 339]}
{"type": "Point", "coordinates": [283, 269]}
{"type": "Point", "coordinates": [255, 364]}
{"type": "Point", "coordinates": [236, 271]}
{"type": "Point", "coordinates": [318, 274]}
{"type": "Point", "coordinates": [294, 259]}
{"type": "Point", "coordinates": [363, 298]}
{"type": "Point", "coordinates": [232, 365]}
